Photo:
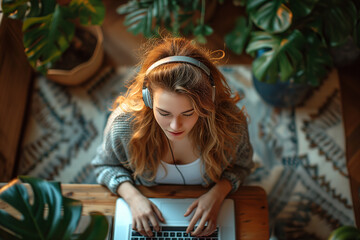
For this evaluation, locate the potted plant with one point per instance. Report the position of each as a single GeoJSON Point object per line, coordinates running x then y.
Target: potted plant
{"type": "Point", "coordinates": [291, 41]}
{"type": "Point", "coordinates": [44, 214]}
{"type": "Point", "coordinates": [50, 29]}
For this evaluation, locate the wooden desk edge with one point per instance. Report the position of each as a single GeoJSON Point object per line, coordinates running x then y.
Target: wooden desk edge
{"type": "Point", "coordinates": [168, 190]}
{"type": "Point", "coordinates": [251, 207]}
{"type": "Point", "coordinates": [250, 203]}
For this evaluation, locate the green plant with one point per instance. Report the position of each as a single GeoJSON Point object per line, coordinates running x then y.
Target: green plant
{"type": "Point", "coordinates": [345, 233]}
{"type": "Point", "coordinates": [49, 25]}
{"type": "Point", "coordinates": [296, 35]}
{"type": "Point", "coordinates": [46, 215]}
{"type": "Point", "coordinates": [177, 16]}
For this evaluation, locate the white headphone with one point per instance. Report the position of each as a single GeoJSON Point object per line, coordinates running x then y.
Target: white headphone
{"type": "Point", "coordinates": [183, 59]}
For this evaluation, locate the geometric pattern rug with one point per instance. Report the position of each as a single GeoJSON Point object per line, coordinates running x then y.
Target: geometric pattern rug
{"type": "Point", "coordinates": [299, 152]}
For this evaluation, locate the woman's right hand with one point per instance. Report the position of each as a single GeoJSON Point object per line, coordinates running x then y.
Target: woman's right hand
{"type": "Point", "coordinates": [143, 211]}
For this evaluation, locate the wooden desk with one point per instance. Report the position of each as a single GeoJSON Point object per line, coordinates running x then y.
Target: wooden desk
{"type": "Point", "coordinates": [250, 204]}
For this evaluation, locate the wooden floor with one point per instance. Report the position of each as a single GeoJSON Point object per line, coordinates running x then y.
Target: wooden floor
{"type": "Point", "coordinates": [121, 49]}
{"type": "Point", "coordinates": [350, 94]}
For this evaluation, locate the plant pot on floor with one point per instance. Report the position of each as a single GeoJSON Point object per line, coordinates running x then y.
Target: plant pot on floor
{"type": "Point", "coordinates": [85, 70]}
{"type": "Point", "coordinates": [282, 94]}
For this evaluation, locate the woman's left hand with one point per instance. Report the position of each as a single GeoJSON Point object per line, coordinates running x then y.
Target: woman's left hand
{"type": "Point", "coordinates": [207, 209]}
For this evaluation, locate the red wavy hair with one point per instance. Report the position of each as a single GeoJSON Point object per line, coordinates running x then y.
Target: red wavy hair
{"type": "Point", "coordinates": [215, 132]}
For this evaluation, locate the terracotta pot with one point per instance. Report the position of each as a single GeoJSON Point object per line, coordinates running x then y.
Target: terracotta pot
{"type": "Point", "coordinates": [84, 71]}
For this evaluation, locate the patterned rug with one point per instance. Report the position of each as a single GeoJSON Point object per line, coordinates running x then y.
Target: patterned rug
{"type": "Point", "coordinates": [299, 152]}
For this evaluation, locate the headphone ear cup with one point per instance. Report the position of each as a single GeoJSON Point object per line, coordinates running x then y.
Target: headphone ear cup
{"type": "Point", "coordinates": [147, 97]}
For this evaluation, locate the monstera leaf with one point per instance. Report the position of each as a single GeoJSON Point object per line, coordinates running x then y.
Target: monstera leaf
{"type": "Point", "coordinates": [337, 23]}
{"type": "Point", "coordinates": [47, 37]}
{"type": "Point", "coordinates": [238, 38]}
{"type": "Point", "coordinates": [201, 31]}
{"type": "Point", "coordinates": [45, 215]}
{"type": "Point", "coordinates": [148, 16]}
{"type": "Point", "coordinates": [317, 61]}
{"type": "Point", "coordinates": [356, 33]}
{"type": "Point", "coordinates": [302, 8]}
{"type": "Point", "coordinates": [22, 9]}
{"type": "Point", "coordinates": [270, 15]}
{"type": "Point", "coordinates": [141, 14]}
{"type": "Point", "coordinates": [281, 57]}
{"type": "Point", "coordinates": [49, 26]}
{"type": "Point", "coordinates": [90, 12]}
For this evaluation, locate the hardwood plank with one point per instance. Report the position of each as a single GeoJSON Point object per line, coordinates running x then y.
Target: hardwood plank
{"type": "Point", "coordinates": [15, 80]}
{"type": "Point", "coordinates": [352, 141]}
{"type": "Point", "coordinates": [354, 166]}
{"type": "Point", "coordinates": [350, 92]}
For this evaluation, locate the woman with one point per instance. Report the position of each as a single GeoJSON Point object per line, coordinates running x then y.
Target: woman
{"type": "Point", "coordinates": [177, 124]}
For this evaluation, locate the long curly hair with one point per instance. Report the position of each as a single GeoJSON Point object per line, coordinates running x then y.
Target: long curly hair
{"type": "Point", "coordinates": [215, 133]}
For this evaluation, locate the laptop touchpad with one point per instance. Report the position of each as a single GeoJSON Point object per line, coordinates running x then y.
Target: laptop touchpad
{"type": "Point", "coordinates": [175, 211]}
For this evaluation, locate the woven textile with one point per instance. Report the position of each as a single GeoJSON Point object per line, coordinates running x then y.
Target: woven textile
{"type": "Point", "coordinates": [299, 152]}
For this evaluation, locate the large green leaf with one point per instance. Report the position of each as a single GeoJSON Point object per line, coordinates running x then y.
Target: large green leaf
{"type": "Point", "coordinates": [97, 229]}
{"type": "Point", "coordinates": [47, 7]}
{"type": "Point", "coordinates": [201, 31]}
{"type": "Point", "coordinates": [49, 28]}
{"type": "Point", "coordinates": [48, 216]}
{"type": "Point", "coordinates": [356, 33]}
{"type": "Point", "coordinates": [186, 20]}
{"type": "Point", "coordinates": [15, 8]}
{"type": "Point", "coordinates": [43, 218]}
{"type": "Point", "coordinates": [317, 62]}
{"type": "Point", "coordinates": [46, 38]}
{"type": "Point", "coordinates": [22, 9]}
{"type": "Point", "coordinates": [270, 15]}
{"type": "Point", "coordinates": [148, 16]}
{"type": "Point", "coordinates": [90, 12]}
{"type": "Point", "coordinates": [302, 8]}
{"type": "Point", "coordinates": [280, 58]}
{"type": "Point", "coordinates": [139, 18]}
{"type": "Point", "coordinates": [338, 18]}
{"type": "Point", "coordinates": [345, 232]}
{"type": "Point", "coordinates": [238, 38]}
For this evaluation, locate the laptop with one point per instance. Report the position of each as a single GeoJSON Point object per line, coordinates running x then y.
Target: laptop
{"type": "Point", "coordinates": [175, 226]}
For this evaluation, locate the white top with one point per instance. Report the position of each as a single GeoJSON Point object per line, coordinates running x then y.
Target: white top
{"type": "Point", "coordinates": [192, 173]}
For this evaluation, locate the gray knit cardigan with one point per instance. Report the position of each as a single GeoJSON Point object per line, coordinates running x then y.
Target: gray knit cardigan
{"type": "Point", "coordinates": [109, 163]}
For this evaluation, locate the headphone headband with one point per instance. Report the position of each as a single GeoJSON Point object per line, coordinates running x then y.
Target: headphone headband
{"type": "Point", "coordinates": [183, 59]}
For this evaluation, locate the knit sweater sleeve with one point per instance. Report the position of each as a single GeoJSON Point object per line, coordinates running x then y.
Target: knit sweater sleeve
{"type": "Point", "coordinates": [243, 160]}
{"type": "Point", "coordinates": [112, 155]}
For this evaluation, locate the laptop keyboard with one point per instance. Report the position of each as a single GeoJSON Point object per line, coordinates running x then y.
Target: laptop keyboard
{"type": "Point", "coordinates": [173, 233]}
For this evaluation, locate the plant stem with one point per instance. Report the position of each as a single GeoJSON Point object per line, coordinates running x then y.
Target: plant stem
{"type": "Point", "coordinates": [202, 20]}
